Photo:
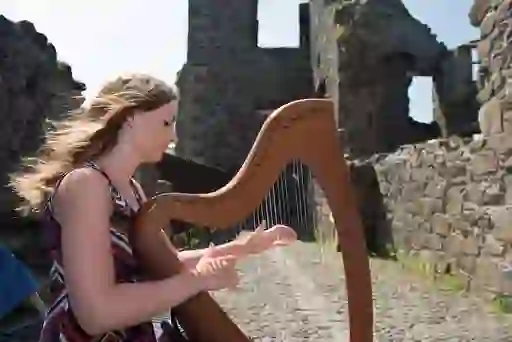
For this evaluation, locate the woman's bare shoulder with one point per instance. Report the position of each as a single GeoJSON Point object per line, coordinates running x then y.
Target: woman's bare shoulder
{"type": "Point", "coordinates": [82, 189]}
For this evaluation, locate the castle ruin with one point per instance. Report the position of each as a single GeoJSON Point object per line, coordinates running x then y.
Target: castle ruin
{"type": "Point", "coordinates": [442, 194]}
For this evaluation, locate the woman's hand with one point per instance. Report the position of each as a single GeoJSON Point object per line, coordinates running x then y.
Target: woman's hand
{"type": "Point", "coordinates": [263, 239]}
{"type": "Point", "coordinates": [216, 273]}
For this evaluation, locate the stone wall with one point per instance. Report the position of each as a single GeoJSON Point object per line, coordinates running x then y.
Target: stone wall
{"type": "Point", "coordinates": [450, 201]}
{"type": "Point", "coordinates": [495, 72]}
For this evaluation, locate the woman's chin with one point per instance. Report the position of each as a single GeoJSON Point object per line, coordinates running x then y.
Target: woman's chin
{"type": "Point", "coordinates": [157, 158]}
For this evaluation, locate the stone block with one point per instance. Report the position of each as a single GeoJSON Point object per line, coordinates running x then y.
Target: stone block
{"type": "Point", "coordinates": [501, 218]}
{"type": "Point", "coordinates": [488, 275]}
{"type": "Point", "coordinates": [492, 247]}
{"type": "Point", "coordinates": [471, 246]}
{"type": "Point", "coordinates": [412, 207]}
{"type": "Point", "coordinates": [484, 163]}
{"type": "Point", "coordinates": [454, 170]}
{"type": "Point", "coordinates": [412, 191]}
{"type": "Point", "coordinates": [507, 121]}
{"type": "Point", "coordinates": [422, 174]}
{"type": "Point", "coordinates": [483, 221]}
{"type": "Point", "coordinates": [507, 179]}
{"type": "Point", "coordinates": [506, 163]}
{"type": "Point", "coordinates": [441, 224]}
{"type": "Point", "coordinates": [436, 188]}
{"type": "Point", "coordinates": [501, 143]}
{"type": "Point", "coordinates": [494, 193]}
{"type": "Point", "coordinates": [504, 96]}
{"type": "Point", "coordinates": [498, 81]}
{"type": "Point", "coordinates": [452, 246]}
{"type": "Point", "coordinates": [506, 285]}
{"type": "Point", "coordinates": [475, 193]}
{"type": "Point", "coordinates": [454, 200]}
{"type": "Point", "coordinates": [430, 206]}
{"type": "Point", "coordinates": [502, 9]}
{"type": "Point", "coordinates": [478, 11]}
{"type": "Point", "coordinates": [467, 264]}
{"type": "Point", "coordinates": [497, 61]}
{"type": "Point", "coordinates": [433, 242]}
{"type": "Point", "coordinates": [474, 146]}
{"type": "Point", "coordinates": [490, 117]}
{"type": "Point", "coordinates": [488, 24]}
{"type": "Point", "coordinates": [418, 240]}
{"type": "Point", "coordinates": [485, 93]}
{"type": "Point", "coordinates": [460, 226]}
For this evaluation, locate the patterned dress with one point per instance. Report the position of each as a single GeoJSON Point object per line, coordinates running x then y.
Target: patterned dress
{"type": "Point", "coordinates": [60, 324]}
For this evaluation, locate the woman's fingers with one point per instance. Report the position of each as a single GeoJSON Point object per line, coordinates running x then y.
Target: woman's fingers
{"type": "Point", "coordinates": [283, 233]}
{"type": "Point", "coordinates": [261, 228]}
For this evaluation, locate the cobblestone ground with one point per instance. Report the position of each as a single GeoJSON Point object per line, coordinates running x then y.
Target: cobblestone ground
{"type": "Point", "coordinates": [297, 294]}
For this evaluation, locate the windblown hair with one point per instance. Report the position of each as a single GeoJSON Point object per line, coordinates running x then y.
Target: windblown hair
{"type": "Point", "coordinates": [86, 134]}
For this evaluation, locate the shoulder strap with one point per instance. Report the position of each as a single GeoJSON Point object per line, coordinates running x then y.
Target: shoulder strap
{"type": "Point", "coordinates": [95, 166]}
{"type": "Point", "coordinates": [91, 165]}
{"type": "Point", "coordinates": [137, 191]}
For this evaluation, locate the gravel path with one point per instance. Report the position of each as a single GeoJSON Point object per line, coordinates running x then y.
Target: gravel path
{"type": "Point", "coordinates": [297, 294]}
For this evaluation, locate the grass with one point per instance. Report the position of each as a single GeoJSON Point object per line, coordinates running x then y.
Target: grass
{"type": "Point", "coordinates": [426, 270]}
{"type": "Point", "coordinates": [326, 238]}
{"type": "Point", "coordinates": [502, 304]}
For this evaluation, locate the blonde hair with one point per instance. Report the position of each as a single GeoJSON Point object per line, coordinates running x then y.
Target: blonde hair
{"type": "Point", "coordinates": [86, 134]}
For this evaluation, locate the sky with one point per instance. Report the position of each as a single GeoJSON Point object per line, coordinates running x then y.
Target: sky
{"type": "Point", "coordinates": [101, 39]}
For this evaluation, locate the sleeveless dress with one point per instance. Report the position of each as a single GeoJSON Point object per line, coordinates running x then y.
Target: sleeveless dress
{"type": "Point", "coordinates": [60, 324]}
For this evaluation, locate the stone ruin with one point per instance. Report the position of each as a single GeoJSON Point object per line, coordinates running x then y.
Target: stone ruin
{"type": "Point", "coordinates": [365, 54]}
{"type": "Point", "coordinates": [227, 79]}
{"type": "Point", "coordinates": [34, 87]}
{"type": "Point", "coordinates": [449, 200]}
{"type": "Point", "coordinates": [362, 54]}
{"type": "Point", "coordinates": [446, 200]}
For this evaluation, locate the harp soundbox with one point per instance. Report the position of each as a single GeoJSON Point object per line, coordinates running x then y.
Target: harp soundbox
{"type": "Point", "coordinates": [302, 130]}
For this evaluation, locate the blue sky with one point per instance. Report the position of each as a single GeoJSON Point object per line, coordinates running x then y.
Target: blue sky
{"type": "Point", "coordinates": [101, 39]}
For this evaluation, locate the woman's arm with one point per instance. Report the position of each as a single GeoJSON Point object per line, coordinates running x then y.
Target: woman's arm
{"type": "Point", "coordinates": [83, 208]}
{"type": "Point", "coordinates": [190, 257]}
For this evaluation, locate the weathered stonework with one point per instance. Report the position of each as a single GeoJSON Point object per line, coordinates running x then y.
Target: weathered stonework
{"type": "Point", "coordinates": [451, 202]}
{"type": "Point", "coordinates": [34, 87]}
{"type": "Point", "coordinates": [495, 72]}
{"type": "Point", "coordinates": [228, 79]}
{"type": "Point", "coordinates": [364, 55]}
{"type": "Point", "coordinates": [455, 93]}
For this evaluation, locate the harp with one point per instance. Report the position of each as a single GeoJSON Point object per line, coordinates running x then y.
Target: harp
{"type": "Point", "coordinates": [285, 135]}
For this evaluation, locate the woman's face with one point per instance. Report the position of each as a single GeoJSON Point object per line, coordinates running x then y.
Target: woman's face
{"type": "Point", "coordinates": [153, 131]}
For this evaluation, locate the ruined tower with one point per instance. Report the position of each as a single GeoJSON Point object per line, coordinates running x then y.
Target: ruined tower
{"type": "Point", "coordinates": [228, 80]}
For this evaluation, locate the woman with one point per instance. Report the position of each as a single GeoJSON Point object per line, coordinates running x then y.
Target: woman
{"type": "Point", "coordinates": [82, 182]}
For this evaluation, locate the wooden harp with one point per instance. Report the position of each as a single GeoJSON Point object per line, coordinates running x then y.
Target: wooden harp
{"type": "Point", "coordinates": [302, 130]}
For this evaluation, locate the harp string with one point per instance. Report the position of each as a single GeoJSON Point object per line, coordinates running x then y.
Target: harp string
{"type": "Point", "coordinates": [290, 201]}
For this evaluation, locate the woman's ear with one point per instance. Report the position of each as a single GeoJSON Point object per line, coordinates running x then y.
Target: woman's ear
{"type": "Point", "coordinates": [129, 121]}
